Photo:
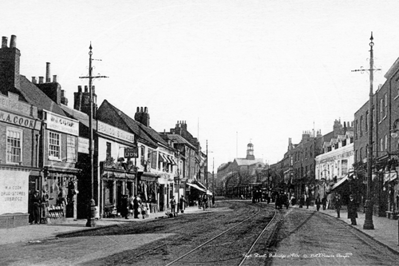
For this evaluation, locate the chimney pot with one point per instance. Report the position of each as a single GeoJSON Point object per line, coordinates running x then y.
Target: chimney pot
{"type": "Point", "coordinates": [4, 42]}
{"type": "Point", "coordinates": [138, 109]}
{"type": "Point", "coordinates": [86, 88]}
{"type": "Point", "coordinates": [34, 81]}
{"type": "Point", "coordinates": [141, 109]}
{"type": "Point", "coordinates": [41, 80]}
{"type": "Point", "coordinates": [79, 89]}
{"type": "Point", "coordinates": [54, 78]}
{"type": "Point", "coordinates": [145, 110]}
{"type": "Point", "coordinates": [13, 41]}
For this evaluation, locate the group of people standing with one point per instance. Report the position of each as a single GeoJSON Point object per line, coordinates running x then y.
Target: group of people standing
{"type": "Point", "coordinates": [38, 207]}
{"type": "Point", "coordinates": [337, 202]}
{"type": "Point", "coordinates": [133, 206]}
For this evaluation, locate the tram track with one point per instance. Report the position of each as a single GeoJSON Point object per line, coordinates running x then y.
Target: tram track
{"type": "Point", "coordinates": [224, 238]}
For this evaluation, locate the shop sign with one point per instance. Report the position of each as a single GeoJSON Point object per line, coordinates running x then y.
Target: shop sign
{"type": "Point", "coordinates": [83, 145]}
{"type": "Point", "coordinates": [131, 152]}
{"type": "Point", "coordinates": [18, 120]}
{"type": "Point", "coordinates": [13, 191]}
{"type": "Point", "coordinates": [114, 132]}
{"type": "Point", "coordinates": [62, 123]}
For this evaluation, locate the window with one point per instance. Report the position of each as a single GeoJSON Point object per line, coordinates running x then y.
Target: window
{"type": "Point", "coordinates": [152, 156]}
{"type": "Point", "coordinates": [381, 144]}
{"type": "Point", "coordinates": [344, 164]}
{"type": "Point", "coordinates": [54, 145]}
{"type": "Point", "coordinates": [386, 105]}
{"type": "Point", "coordinates": [142, 153]}
{"type": "Point", "coordinates": [366, 122]}
{"type": "Point", "coordinates": [381, 109]}
{"type": "Point", "coordinates": [14, 145]}
{"type": "Point", "coordinates": [361, 126]}
{"type": "Point", "coordinates": [108, 151]}
{"type": "Point", "coordinates": [71, 148]}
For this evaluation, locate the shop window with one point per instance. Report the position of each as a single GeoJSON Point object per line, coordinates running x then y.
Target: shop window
{"type": "Point", "coordinates": [14, 145]}
{"type": "Point", "coordinates": [71, 148]}
{"type": "Point", "coordinates": [142, 153]}
{"type": "Point", "coordinates": [54, 148]}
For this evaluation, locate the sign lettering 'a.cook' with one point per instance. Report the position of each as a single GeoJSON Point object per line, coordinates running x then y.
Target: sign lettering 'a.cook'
{"type": "Point", "coordinates": [17, 120]}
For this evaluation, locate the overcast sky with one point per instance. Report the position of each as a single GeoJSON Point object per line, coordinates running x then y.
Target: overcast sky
{"type": "Point", "coordinates": [235, 71]}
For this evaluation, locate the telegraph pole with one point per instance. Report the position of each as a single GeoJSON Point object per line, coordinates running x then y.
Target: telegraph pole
{"type": "Point", "coordinates": [368, 222]}
{"type": "Point", "coordinates": [90, 220]}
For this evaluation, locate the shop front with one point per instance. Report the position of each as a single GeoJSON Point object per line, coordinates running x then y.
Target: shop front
{"type": "Point", "coordinates": [14, 195]}
{"type": "Point", "coordinates": [151, 192]}
{"type": "Point", "coordinates": [60, 186]}
{"type": "Point", "coordinates": [115, 184]}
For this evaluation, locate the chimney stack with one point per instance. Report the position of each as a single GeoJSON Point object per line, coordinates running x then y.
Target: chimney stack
{"type": "Point", "coordinates": [4, 42]}
{"type": "Point", "coordinates": [54, 78]}
{"type": "Point", "coordinates": [13, 42]}
{"type": "Point", "coordinates": [41, 80]}
{"type": "Point", "coordinates": [48, 72]}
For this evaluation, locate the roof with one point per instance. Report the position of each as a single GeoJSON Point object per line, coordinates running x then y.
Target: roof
{"type": "Point", "coordinates": [38, 98]}
{"type": "Point", "coordinates": [179, 139]}
{"type": "Point", "coordinates": [243, 161]}
{"type": "Point", "coordinates": [113, 116]}
{"type": "Point", "coordinates": [78, 115]}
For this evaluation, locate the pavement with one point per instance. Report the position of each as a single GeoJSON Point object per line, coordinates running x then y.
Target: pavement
{"type": "Point", "coordinates": [36, 233]}
{"type": "Point", "coordinates": [385, 230]}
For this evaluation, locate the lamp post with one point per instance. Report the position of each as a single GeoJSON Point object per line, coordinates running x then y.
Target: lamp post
{"type": "Point", "coordinates": [368, 222]}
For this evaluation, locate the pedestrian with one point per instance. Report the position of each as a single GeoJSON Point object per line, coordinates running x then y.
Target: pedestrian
{"type": "Point", "coordinates": [136, 205]}
{"type": "Point", "coordinates": [307, 201]}
{"type": "Point", "coordinates": [125, 206]}
{"type": "Point", "coordinates": [131, 205]}
{"type": "Point", "coordinates": [324, 202]}
{"type": "Point", "coordinates": [44, 204]}
{"type": "Point", "coordinates": [213, 200]}
{"type": "Point", "coordinates": [144, 210]}
{"type": "Point", "coordinates": [173, 206]}
{"type": "Point", "coordinates": [36, 207]}
{"type": "Point", "coordinates": [352, 210]}
{"type": "Point", "coordinates": [205, 201]}
{"type": "Point", "coordinates": [337, 204]}
{"type": "Point", "coordinates": [302, 201]}
{"type": "Point", "coordinates": [181, 203]}
{"type": "Point", "coordinates": [318, 202]}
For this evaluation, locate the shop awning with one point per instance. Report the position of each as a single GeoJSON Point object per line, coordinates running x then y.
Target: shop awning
{"type": "Point", "coordinates": [388, 177]}
{"type": "Point", "coordinates": [172, 160]}
{"type": "Point", "coordinates": [113, 174]}
{"type": "Point", "coordinates": [339, 183]}
{"type": "Point", "coordinates": [163, 158]}
{"type": "Point", "coordinates": [196, 187]}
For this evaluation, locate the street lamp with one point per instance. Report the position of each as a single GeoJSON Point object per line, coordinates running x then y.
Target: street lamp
{"type": "Point", "coordinates": [368, 222]}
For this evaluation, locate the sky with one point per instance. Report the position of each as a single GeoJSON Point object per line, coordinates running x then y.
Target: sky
{"type": "Point", "coordinates": [235, 71]}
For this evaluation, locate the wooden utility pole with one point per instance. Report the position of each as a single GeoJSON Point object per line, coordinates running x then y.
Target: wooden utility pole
{"type": "Point", "coordinates": [90, 219]}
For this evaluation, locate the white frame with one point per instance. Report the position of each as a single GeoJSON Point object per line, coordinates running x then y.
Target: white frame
{"type": "Point", "coordinates": [20, 131]}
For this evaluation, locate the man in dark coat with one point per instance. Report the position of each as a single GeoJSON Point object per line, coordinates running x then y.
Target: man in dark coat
{"type": "Point", "coordinates": [318, 202]}
{"type": "Point", "coordinates": [136, 204]}
{"type": "Point", "coordinates": [352, 210]}
{"type": "Point", "coordinates": [337, 204]}
{"type": "Point", "coordinates": [324, 202]}
{"type": "Point", "coordinates": [36, 207]}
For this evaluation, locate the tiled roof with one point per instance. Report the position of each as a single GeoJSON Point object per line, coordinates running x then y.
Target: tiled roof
{"type": "Point", "coordinates": [80, 116]}
{"type": "Point", "coordinates": [115, 117]}
{"type": "Point", "coordinates": [38, 98]}
{"type": "Point", "coordinates": [179, 139]}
